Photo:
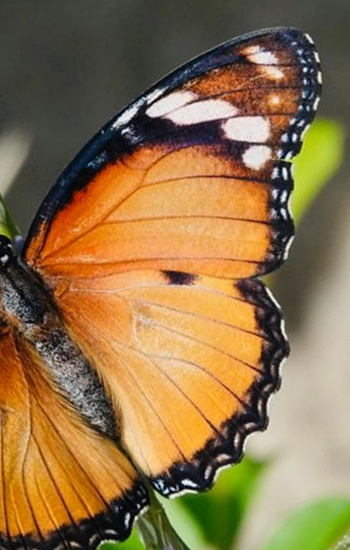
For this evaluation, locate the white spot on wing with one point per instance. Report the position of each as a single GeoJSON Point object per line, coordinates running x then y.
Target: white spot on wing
{"type": "Point", "coordinates": [308, 38]}
{"type": "Point", "coordinates": [253, 128]}
{"type": "Point", "coordinates": [263, 58]}
{"type": "Point", "coordinates": [127, 520]}
{"type": "Point", "coordinates": [273, 72]}
{"type": "Point", "coordinates": [268, 60]}
{"type": "Point", "coordinates": [202, 111]}
{"type": "Point", "coordinates": [189, 483]}
{"type": "Point", "coordinates": [169, 103]}
{"type": "Point", "coordinates": [256, 156]}
{"type": "Point", "coordinates": [274, 99]}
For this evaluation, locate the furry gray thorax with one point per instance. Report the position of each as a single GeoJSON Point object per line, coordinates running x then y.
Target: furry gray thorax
{"type": "Point", "coordinates": [27, 308]}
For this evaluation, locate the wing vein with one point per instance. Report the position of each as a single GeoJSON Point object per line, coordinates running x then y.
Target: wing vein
{"type": "Point", "coordinates": [232, 177]}
{"type": "Point", "coordinates": [54, 483]}
{"type": "Point", "coordinates": [185, 217]}
{"type": "Point", "coordinates": [81, 500]}
{"type": "Point", "coordinates": [166, 258]}
{"type": "Point", "coordinates": [206, 344]}
{"type": "Point", "coordinates": [24, 475]}
{"type": "Point", "coordinates": [80, 467]}
{"type": "Point", "coordinates": [65, 542]}
{"type": "Point", "coordinates": [200, 316]}
{"type": "Point", "coordinates": [199, 367]}
{"type": "Point", "coordinates": [144, 395]}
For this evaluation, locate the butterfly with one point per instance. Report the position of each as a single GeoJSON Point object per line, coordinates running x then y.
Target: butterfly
{"type": "Point", "coordinates": [137, 338]}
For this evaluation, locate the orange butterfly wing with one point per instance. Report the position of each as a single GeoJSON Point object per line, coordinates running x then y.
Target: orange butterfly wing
{"type": "Point", "coordinates": [189, 360]}
{"type": "Point", "coordinates": [189, 211]}
{"type": "Point", "coordinates": [61, 482]}
{"type": "Point", "coordinates": [150, 239]}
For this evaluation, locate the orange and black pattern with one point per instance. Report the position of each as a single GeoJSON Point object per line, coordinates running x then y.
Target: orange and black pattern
{"type": "Point", "coordinates": [62, 485]}
{"type": "Point", "coordinates": [203, 153]}
{"type": "Point", "coordinates": [190, 361]}
{"type": "Point", "coordinates": [181, 199]}
{"type": "Point", "coordinates": [146, 254]}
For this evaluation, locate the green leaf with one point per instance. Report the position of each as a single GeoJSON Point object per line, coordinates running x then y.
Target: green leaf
{"type": "Point", "coordinates": [182, 521]}
{"type": "Point", "coordinates": [133, 543]}
{"type": "Point", "coordinates": [316, 526]}
{"type": "Point", "coordinates": [219, 513]}
{"type": "Point", "coordinates": [7, 225]}
{"type": "Point", "coordinates": [321, 156]}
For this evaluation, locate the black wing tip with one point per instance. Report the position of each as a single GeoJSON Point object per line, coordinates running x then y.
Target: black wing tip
{"type": "Point", "coordinates": [284, 33]}
{"type": "Point", "coordinates": [311, 79]}
{"type": "Point", "coordinates": [227, 448]}
{"type": "Point", "coordinates": [282, 225]}
{"type": "Point", "coordinates": [115, 524]}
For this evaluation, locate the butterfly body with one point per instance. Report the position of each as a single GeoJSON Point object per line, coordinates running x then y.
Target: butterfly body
{"type": "Point", "coordinates": [29, 312]}
{"type": "Point", "coordinates": [136, 334]}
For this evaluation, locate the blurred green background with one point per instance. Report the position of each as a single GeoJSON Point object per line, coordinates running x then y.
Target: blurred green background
{"type": "Point", "coordinates": [65, 68]}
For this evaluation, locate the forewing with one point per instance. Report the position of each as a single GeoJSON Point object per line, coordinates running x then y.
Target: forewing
{"type": "Point", "coordinates": [62, 485]}
{"type": "Point", "coordinates": [194, 176]}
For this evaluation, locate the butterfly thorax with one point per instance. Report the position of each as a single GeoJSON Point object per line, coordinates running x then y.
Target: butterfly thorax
{"type": "Point", "coordinates": [28, 310]}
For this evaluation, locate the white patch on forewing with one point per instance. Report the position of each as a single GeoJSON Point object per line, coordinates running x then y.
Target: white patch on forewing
{"type": "Point", "coordinates": [272, 72]}
{"type": "Point", "coordinates": [263, 58]}
{"type": "Point", "coordinates": [169, 103]}
{"type": "Point", "coordinates": [247, 128]}
{"type": "Point", "coordinates": [202, 111]}
{"type": "Point", "coordinates": [256, 156]}
{"type": "Point", "coordinates": [268, 60]}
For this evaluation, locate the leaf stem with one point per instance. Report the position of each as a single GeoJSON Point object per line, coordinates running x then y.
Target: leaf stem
{"type": "Point", "coordinates": [155, 530]}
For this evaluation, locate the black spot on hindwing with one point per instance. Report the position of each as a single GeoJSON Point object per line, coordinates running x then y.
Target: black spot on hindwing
{"type": "Point", "coordinates": [179, 278]}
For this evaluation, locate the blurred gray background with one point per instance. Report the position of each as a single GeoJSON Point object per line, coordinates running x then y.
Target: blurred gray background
{"type": "Point", "coordinates": [66, 67]}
